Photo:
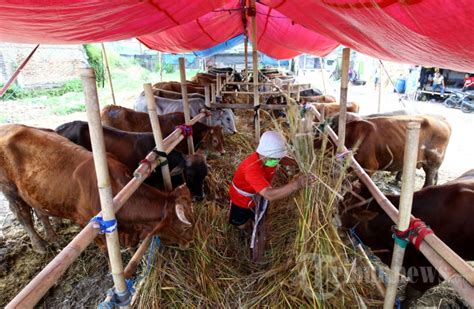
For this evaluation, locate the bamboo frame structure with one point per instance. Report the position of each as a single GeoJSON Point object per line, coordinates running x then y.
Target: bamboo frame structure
{"type": "Point", "coordinates": [450, 266]}
{"type": "Point", "coordinates": [321, 60]}
{"type": "Point", "coordinates": [108, 73]}
{"type": "Point", "coordinates": [103, 177]}
{"type": "Point", "coordinates": [249, 106]}
{"type": "Point", "coordinates": [207, 102]}
{"type": "Point", "coordinates": [184, 91]}
{"type": "Point", "coordinates": [406, 198]}
{"type": "Point", "coordinates": [346, 52]}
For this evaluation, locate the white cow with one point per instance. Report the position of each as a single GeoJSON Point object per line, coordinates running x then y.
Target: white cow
{"type": "Point", "coordinates": [224, 117]}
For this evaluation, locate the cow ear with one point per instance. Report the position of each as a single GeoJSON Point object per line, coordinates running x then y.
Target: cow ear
{"type": "Point", "coordinates": [179, 208]}
{"type": "Point", "coordinates": [364, 215]}
{"type": "Point", "coordinates": [178, 170]}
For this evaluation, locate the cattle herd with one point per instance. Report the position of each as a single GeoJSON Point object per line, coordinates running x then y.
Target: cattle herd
{"type": "Point", "coordinates": [52, 172]}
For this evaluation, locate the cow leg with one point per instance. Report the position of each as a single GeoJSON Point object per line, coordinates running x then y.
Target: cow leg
{"type": "Point", "coordinates": [399, 176]}
{"type": "Point", "coordinates": [23, 213]}
{"type": "Point", "coordinates": [431, 176]}
{"type": "Point", "coordinates": [51, 235]}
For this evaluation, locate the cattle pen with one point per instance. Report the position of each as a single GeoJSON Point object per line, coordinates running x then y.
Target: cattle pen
{"type": "Point", "coordinates": [312, 257]}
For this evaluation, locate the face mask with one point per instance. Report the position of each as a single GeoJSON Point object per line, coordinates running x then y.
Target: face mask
{"type": "Point", "coordinates": [271, 162]}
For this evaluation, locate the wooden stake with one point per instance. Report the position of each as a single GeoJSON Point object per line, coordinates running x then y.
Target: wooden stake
{"type": "Point", "coordinates": [103, 178]}
{"type": "Point", "coordinates": [213, 93]}
{"type": "Point", "coordinates": [218, 84]}
{"type": "Point", "coordinates": [346, 52]}
{"type": "Point", "coordinates": [256, 97]}
{"type": "Point", "coordinates": [406, 198]}
{"type": "Point", "coordinates": [17, 72]}
{"type": "Point", "coordinates": [184, 91]}
{"type": "Point", "coordinates": [108, 73]}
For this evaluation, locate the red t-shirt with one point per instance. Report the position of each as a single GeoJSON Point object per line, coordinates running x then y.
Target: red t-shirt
{"type": "Point", "coordinates": [251, 176]}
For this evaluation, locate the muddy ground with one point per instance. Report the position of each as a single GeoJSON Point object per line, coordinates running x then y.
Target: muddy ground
{"type": "Point", "coordinates": [86, 282]}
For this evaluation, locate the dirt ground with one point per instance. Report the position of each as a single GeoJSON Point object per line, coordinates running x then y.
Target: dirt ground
{"type": "Point", "coordinates": [87, 280]}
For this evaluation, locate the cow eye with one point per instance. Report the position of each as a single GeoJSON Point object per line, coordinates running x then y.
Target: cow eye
{"type": "Point", "coordinates": [228, 119]}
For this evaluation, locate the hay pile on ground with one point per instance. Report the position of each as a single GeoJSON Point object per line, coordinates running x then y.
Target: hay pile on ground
{"type": "Point", "coordinates": [305, 263]}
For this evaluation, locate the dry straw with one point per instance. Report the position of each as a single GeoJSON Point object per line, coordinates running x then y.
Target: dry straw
{"type": "Point", "coordinates": [306, 263]}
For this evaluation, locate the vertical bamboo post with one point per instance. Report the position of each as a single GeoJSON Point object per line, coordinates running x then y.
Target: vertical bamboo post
{"type": "Point", "coordinates": [155, 124]}
{"type": "Point", "coordinates": [346, 53]}
{"type": "Point", "coordinates": [379, 103]}
{"type": "Point", "coordinates": [160, 60]}
{"type": "Point", "coordinates": [108, 74]}
{"type": "Point", "coordinates": [213, 93]}
{"type": "Point", "coordinates": [204, 68]}
{"type": "Point", "coordinates": [298, 89]}
{"type": "Point", "coordinates": [184, 92]}
{"type": "Point", "coordinates": [406, 198]}
{"type": "Point", "coordinates": [321, 59]}
{"type": "Point", "coordinates": [256, 98]}
{"type": "Point", "coordinates": [207, 102]}
{"type": "Point", "coordinates": [246, 59]}
{"type": "Point", "coordinates": [218, 84]}
{"type": "Point", "coordinates": [102, 173]}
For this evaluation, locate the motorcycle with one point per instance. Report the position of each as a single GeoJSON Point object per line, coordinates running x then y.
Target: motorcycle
{"type": "Point", "coordinates": [467, 105]}
{"type": "Point", "coordinates": [456, 99]}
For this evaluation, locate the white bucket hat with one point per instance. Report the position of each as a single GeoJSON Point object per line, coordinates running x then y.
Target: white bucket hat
{"type": "Point", "coordinates": [272, 145]}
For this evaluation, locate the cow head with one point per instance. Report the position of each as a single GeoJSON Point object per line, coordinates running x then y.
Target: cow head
{"type": "Point", "coordinates": [226, 119]}
{"type": "Point", "coordinates": [194, 169]}
{"type": "Point", "coordinates": [179, 218]}
{"type": "Point", "coordinates": [213, 140]}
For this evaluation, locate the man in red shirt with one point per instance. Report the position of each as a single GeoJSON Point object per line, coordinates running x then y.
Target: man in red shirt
{"type": "Point", "coordinates": [254, 176]}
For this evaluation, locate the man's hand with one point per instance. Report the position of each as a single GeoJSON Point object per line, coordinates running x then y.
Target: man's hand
{"type": "Point", "coordinates": [306, 180]}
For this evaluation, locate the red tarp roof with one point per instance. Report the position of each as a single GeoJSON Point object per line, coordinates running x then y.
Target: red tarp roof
{"type": "Point", "coordinates": [428, 32]}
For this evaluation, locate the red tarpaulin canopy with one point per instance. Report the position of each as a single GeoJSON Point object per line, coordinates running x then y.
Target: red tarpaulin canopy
{"type": "Point", "coordinates": [428, 32]}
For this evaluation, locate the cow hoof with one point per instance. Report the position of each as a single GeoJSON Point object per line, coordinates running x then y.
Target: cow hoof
{"type": "Point", "coordinates": [40, 247]}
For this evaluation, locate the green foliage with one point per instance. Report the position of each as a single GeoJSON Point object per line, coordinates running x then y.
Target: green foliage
{"type": "Point", "coordinates": [169, 68]}
{"type": "Point", "coordinates": [157, 66]}
{"type": "Point", "coordinates": [15, 92]}
{"type": "Point", "coordinates": [94, 57]}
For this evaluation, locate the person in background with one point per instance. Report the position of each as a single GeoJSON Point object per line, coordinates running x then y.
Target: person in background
{"type": "Point", "coordinates": [376, 77]}
{"type": "Point", "coordinates": [438, 83]}
{"type": "Point", "coordinates": [254, 175]}
{"type": "Point", "coordinates": [468, 82]}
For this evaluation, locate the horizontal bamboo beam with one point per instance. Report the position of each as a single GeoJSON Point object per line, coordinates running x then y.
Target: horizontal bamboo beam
{"type": "Point", "coordinates": [249, 92]}
{"type": "Point", "coordinates": [250, 106]}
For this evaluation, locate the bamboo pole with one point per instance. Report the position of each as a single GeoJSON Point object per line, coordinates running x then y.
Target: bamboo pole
{"type": "Point", "coordinates": [108, 73]}
{"type": "Point", "coordinates": [321, 59]}
{"type": "Point", "coordinates": [218, 84]}
{"type": "Point", "coordinates": [31, 294]}
{"type": "Point", "coordinates": [373, 273]}
{"type": "Point", "coordinates": [17, 71]}
{"type": "Point", "coordinates": [137, 257]}
{"type": "Point", "coordinates": [213, 93]}
{"type": "Point", "coordinates": [346, 52]}
{"type": "Point", "coordinates": [450, 266]}
{"type": "Point", "coordinates": [298, 89]}
{"type": "Point", "coordinates": [250, 107]}
{"type": "Point", "coordinates": [160, 60]}
{"type": "Point", "coordinates": [246, 58]}
{"type": "Point", "coordinates": [207, 102]}
{"type": "Point", "coordinates": [184, 91]}
{"type": "Point", "coordinates": [157, 135]}
{"type": "Point", "coordinates": [256, 97]}
{"type": "Point", "coordinates": [103, 177]}
{"type": "Point", "coordinates": [379, 102]}
{"type": "Point", "coordinates": [406, 198]}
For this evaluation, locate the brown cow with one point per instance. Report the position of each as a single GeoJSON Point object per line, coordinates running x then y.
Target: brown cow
{"type": "Point", "coordinates": [176, 87]}
{"type": "Point", "coordinates": [205, 137]}
{"type": "Point", "coordinates": [447, 209]}
{"type": "Point", "coordinates": [380, 142]}
{"type": "Point", "coordinates": [330, 109]}
{"type": "Point", "coordinates": [45, 171]}
{"type": "Point", "coordinates": [318, 99]}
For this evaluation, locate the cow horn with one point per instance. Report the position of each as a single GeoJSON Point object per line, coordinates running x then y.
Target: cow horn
{"type": "Point", "coordinates": [180, 214]}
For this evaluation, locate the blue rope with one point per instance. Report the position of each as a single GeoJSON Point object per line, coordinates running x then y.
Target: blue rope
{"type": "Point", "coordinates": [105, 226]}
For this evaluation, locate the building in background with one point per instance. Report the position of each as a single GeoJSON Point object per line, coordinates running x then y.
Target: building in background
{"type": "Point", "coordinates": [50, 66]}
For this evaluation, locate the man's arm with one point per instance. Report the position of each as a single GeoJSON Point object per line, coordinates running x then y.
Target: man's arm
{"type": "Point", "coordinates": [273, 194]}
